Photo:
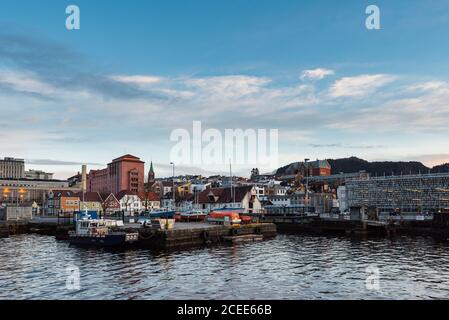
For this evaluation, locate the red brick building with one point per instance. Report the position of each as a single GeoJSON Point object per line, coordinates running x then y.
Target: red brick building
{"type": "Point", "coordinates": [124, 173]}
{"type": "Point", "coordinates": [319, 168]}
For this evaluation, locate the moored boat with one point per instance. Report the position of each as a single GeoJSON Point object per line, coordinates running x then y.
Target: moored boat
{"type": "Point", "coordinates": [95, 232]}
{"type": "Point", "coordinates": [194, 215]}
{"type": "Point", "coordinates": [222, 216]}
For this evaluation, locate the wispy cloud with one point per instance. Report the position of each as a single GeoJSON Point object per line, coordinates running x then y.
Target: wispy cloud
{"type": "Point", "coordinates": [316, 74]}
{"type": "Point", "coordinates": [345, 146]}
{"type": "Point", "coordinates": [359, 86]}
{"type": "Point", "coordinates": [47, 162]}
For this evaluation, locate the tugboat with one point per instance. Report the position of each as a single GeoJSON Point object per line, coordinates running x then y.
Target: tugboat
{"type": "Point", "coordinates": [96, 232]}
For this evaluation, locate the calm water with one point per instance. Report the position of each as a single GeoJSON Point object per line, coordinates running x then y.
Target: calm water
{"type": "Point", "coordinates": [291, 267]}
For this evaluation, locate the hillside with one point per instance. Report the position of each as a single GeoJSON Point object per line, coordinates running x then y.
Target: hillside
{"type": "Point", "coordinates": [354, 164]}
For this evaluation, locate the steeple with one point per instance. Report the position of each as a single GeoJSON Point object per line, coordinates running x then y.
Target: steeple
{"type": "Point", "coordinates": [151, 175]}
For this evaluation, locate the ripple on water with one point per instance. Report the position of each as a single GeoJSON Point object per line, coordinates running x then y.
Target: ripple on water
{"type": "Point", "coordinates": [288, 267]}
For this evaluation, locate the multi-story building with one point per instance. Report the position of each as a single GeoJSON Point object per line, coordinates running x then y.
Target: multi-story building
{"type": "Point", "coordinates": [237, 197]}
{"type": "Point", "coordinates": [62, 202]}
{"type": "Point", "coordinates": [150, 200]}
{"type": "Point", "coordinates": [38, 175]}
{"type": "Point", "coordinates": [11, 168]}
{"type": "Point", "coordinates": [26, 190]}
{"type": "Point", "coordinates": [90, 201]}
{"type": "Point", "coordinates": [124, 173]}
{"type": "Point", "coordinates": [408, 193]}
{"type": "Point", "coordinates": [130, 202]}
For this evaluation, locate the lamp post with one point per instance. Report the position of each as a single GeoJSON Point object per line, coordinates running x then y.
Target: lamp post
{"type": "Point", "coordinates": [306, 194]}
{"type": "Point", "coordinates": [174, 194]}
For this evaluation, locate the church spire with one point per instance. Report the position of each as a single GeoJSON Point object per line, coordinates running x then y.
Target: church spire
{"type": "Point", "coordinates": [151, 175]}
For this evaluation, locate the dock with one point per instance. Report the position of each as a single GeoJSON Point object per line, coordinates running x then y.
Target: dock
{"type": "Point", "coordinates": [197, 234]}
{"type": "Point", "coordinates": [330, 225]}
{"type": "Point", "coordinates": [183, 235]}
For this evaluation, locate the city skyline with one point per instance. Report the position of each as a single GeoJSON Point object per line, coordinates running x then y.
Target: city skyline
{"type": "Point", "coordinates": [313, 71]}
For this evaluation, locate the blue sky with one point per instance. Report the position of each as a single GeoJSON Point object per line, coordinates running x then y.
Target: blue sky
{"type": "Point", "coordinates": [136, 70]}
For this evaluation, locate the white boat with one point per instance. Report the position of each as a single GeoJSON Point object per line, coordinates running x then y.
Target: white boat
{"type": "Point", "coordinates": [98, 232]}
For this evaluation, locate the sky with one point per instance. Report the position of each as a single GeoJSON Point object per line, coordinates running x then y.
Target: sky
{"type": "Point", "coordinates": [137, 70]}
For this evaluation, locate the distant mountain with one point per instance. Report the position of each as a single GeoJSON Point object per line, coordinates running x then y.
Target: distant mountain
{"type": "Point", "coordinates": [441, 168]}
{"type": "Point", "coordinates": [354, 164]}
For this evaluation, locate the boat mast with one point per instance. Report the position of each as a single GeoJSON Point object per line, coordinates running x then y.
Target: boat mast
{"type": "Point", "coordinates": [230, 174]}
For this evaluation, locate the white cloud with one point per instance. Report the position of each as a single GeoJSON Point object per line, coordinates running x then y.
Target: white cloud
{"type": "Point", "coordinates": [316, 74]}
{"type": "Point", "coordinates": [229, 87]}
{"type": "Point", "coordinates": [359, 86]}
{"type": "Point", "coordinates": [137, 79]}
{"type": "Point", "coordinates": [25, 82]}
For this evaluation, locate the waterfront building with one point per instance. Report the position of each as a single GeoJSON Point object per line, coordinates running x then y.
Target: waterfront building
{"type": "Point", "coordinates": [150, 200]}
{"type": "Point", "coordinates": [110, 203]}
{"type": "Point", "coordinates": [90, 201]}
{"type": "Point", "coordinates": [38, 175]}
{"type": "Point", "coordinates": [130, 202]}
{"type": "Point", "coordinates": [405, 193]}
{"type": "Point", "coordinates": [123, 173]}
{"type": "Point", "coordinates": [244, 197]}
{"type": "Point", "coordinates": [62, 202]}
{"type": "Point", "coordinates": [322, 202]}
{"type": "Point", "coordinates": [279, 200]}
{"type": "Point", "coordinates": [11, 168]}
{"type": "Point", "coordinates": [29, 190]}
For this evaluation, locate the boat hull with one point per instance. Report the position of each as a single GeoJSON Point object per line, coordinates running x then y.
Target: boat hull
{"type": "Point", "coordinates": [163, 215]}
{"type": "Point", "coordinates": [192, 217]}
{"type": "Point", "coordinates": [106, 241]}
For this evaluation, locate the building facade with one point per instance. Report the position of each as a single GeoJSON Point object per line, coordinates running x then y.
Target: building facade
{"type": "Point", "coordinates": [38, 175]}
{"type": "Point", "coordinates": [124, 173]}
{"type": "Point", "coordinates": [25, 190]}
{"type": "Point", "coordinates": [62, 202]}
{"type": "Point", "coordinates": [409, 193]}
{"type": "Point", "coordinates": [244, 198]}
{"type": "Point", "coordinates": [11, 168]}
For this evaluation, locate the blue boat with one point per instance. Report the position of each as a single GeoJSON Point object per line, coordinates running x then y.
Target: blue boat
{"type": "Point", "coordinates": [94, 232]}
{"type": "Point", "coordinates": [161, 214]}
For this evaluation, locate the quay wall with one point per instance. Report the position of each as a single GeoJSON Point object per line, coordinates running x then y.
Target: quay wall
{"type": "Point", "coordinates": [183, 238]}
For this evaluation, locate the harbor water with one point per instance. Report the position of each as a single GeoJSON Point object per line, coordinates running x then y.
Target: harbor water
{"type": "Point", "coordinates": [287, 267]}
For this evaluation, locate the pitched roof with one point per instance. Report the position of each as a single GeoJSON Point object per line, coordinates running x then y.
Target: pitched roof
{"type": "Point", "coordinates": [64, 193]}
{"type": "Point", "coordinates": [123, 193]}
{"type": "Point", "coordinates": [149, 196]}
{"type": "Point", "coordinates": [223, 195]}
{"type": "Point", "coordinates": [90, 196]}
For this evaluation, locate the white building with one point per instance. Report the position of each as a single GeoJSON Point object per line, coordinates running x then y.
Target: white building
{"type": "Point", "coordinates": [129, 201]}
{"type": "Point", "coordinates": [244, 197]}
{"type": "Point", "coordinates": [342, 197]}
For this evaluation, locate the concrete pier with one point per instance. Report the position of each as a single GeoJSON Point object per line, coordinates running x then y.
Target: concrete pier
{"type": "Point", "coordinates": [198, 234]}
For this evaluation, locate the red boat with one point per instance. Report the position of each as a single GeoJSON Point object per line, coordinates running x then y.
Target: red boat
{"type": "Point", "coordinates": [220, 216]}
{"type": "Point", "coordinates": [246, 219]}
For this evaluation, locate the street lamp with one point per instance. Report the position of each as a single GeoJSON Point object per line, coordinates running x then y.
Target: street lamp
{"type": "Point", "coordinates": [306, 194]}
{"type": "Point", "coordinates": [174, 196]}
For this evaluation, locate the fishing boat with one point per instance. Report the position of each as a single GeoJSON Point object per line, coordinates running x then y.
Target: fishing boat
{"type": "Point", "coordinates": [96, 232]}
